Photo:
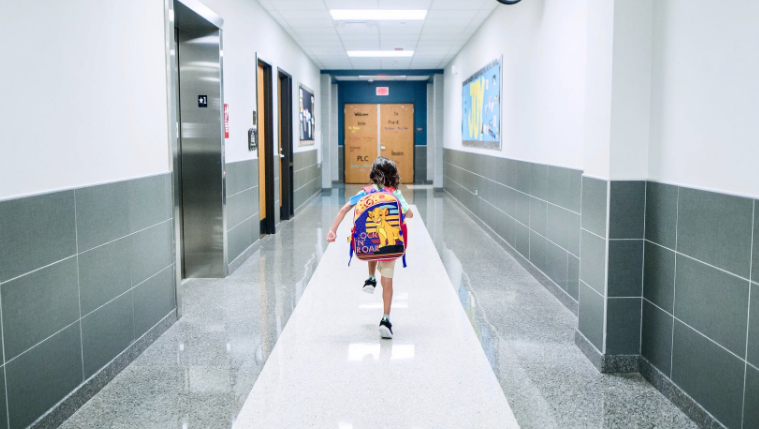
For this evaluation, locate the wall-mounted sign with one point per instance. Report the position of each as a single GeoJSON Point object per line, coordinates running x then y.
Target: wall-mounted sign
{"type": "Point", "coordinates": [306, 116]}
{"type": "Point", "coordinates": [202, 101]}
{"type": "Point", "coordinates": [383, 90]}
{"type": "Point", "coordinates": [226, 120]}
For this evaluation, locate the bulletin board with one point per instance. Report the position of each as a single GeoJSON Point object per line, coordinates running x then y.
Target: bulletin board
{"type": "Point", "coordinates": [306, 103]}
{"type": "Point", "coordinates": [481, 108]}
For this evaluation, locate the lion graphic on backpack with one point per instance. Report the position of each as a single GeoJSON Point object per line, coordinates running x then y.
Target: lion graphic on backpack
{"type": "Point", "coordinates": [387, 233]}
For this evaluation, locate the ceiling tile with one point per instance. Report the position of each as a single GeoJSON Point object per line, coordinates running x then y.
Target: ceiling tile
{"type": "Point", "coordinates": [435, 31]}
{"type": "Point", "coordinates": [462, 15]}
{"type": "Point", "coordinates": [357, 30]}
{"type": "Point", "coordinates": [405, 4]}
{"type": "Point", "coordinates": [352, 4]}
{"type": "Point", "coordinates": [389, 46]}
{"type": "Point", "coordinates": [308, 14]}
{"type": "Point", "coordinates": [401, 24]}
{"type": "Point", "coordinates": [306, 32]}
{"type": "Point", "coordinates": [395, 63]}
{"type": "Point", "coordinates": [308, 22]}
{"type": "Point", "coordinates": [366, 63]}
{"type": "Point", "coordinates": [461, 4]}
{"type": "Point", "coordinates": [288, 5]}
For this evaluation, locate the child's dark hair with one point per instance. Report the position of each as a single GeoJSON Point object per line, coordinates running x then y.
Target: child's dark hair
{"type": "Point", "coordinates": [384, 173]}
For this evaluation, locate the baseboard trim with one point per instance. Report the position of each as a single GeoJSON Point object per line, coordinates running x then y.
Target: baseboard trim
{"type": "Point", "coordinates": [543, 279]}
{"type": "Point", "coordinates": [606, 364]}
{"type": "Point", "coordinates": [77, 398]}
{"type": "Point", "coordinates": [677, 396]}
{"type": "Point", "coordinates": [242, 257]}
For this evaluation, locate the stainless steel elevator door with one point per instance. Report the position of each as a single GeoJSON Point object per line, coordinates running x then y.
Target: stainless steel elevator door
{"type": "Point", "coordinates": [201, 152]}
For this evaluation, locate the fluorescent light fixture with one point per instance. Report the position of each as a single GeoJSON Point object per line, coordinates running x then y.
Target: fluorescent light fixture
{"type": "Point", "coordinates": [380, 54]}
{"type": "Point", "coordinates": [377, 14]}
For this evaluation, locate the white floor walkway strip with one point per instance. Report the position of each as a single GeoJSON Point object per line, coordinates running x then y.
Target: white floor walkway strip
{"type": "Point", "coordinates": [330, 369]}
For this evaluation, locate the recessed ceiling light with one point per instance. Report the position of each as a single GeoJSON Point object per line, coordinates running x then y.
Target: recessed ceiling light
{"type": "Point", "coordinates": [377, 14]}
{"type": "Point", "coordinates": [380, 53]}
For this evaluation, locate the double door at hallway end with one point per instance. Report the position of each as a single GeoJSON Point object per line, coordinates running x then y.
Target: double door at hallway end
{"type": "Point", "coordinates": [373, 130]}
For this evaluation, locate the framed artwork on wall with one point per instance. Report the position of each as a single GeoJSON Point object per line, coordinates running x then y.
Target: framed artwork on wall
{"type": "Point", "coordinates": [481, 108]}
{"type": "Point", "coordinates": [306, 118]}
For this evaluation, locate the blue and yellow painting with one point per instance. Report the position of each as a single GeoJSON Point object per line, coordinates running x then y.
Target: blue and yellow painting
{"type": "Point", "coordinates": [481, 106]}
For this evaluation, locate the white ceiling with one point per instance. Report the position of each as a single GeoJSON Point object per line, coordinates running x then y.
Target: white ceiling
{"type": "Point", "coordinates": [435, 41]}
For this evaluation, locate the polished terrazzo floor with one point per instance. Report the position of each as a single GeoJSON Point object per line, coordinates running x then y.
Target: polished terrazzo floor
{"type": "Point", "coordinates": [200, 372]}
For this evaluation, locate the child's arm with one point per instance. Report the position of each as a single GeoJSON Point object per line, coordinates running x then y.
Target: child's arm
{"type": "Point", "coordinates": [332, 234]}
{"type": "Point", "coordinates": [409, 213]}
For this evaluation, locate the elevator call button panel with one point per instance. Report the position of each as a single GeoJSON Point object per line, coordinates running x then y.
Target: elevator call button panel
{"type": "Point", "coordinates": [202, 101]}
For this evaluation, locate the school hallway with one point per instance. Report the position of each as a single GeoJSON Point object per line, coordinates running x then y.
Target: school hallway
{"type": "Point", "coordinates": [290, 340]}
{"type": "Point", "coordinates": [584, 251]}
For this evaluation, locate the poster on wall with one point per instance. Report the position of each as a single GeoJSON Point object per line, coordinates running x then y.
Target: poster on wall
{"type": "Point", "coordinates": [481, 108]}
{"type": "Point", "coordinates": [306, 115]}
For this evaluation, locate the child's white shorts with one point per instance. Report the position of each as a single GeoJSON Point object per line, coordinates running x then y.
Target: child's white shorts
{"type": "Point", "coordinates": [386, 268]}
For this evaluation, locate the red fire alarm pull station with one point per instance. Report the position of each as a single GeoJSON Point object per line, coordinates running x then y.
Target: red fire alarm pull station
{"type": "Point", "coordinates": [226, 120]}
{"type": "Point", "coordinates": [383, 90]}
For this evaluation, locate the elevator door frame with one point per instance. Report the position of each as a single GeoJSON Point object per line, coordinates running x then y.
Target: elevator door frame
{"type": "Point", "coordinates": [204, 15]}
{"type": "Point", "coordinates": [286, 173]}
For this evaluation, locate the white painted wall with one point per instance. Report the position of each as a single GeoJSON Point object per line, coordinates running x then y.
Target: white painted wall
{"type": "Point", "coordinates": [84, 94]}
{"type": "Point", "coordinates": [86, 104]}
{"type": "Point", "coordinates": [631, 89]}
{"type": "Point", "coordinates": [598, 87]}
{"type": "Point", "coordinates": [705, 95]}
{"type": "Point", "coordinates": [543, 44]}
{"type": "Point", "coordinates": [248, 29]}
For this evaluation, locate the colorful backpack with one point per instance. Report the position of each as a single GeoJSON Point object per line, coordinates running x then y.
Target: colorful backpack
{"type": "Point", "coordinates": [379, 227]}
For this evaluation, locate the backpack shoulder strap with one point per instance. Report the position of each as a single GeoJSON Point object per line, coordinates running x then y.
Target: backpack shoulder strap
{"type": "Point", "coordinates": [368, 189]}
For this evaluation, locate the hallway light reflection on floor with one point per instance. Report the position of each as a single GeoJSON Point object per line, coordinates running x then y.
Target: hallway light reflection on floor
{"type": "Point", "coordinates": [379, 305]}
{"type": "Point", "coordinates": [357, 352]}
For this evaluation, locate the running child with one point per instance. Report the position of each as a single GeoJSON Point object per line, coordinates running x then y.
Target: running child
{"type": "Point", "coordinates": [384, 174]}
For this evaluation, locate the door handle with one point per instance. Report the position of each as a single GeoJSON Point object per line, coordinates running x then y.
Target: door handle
{"type": "Point", "coordinates": [383, 147]}
{"type": "Point", "coordinates": [281, 156]}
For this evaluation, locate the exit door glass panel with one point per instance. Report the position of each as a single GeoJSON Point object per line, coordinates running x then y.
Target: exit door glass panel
{"type": "Point", "coordinates": [397, 137]}
{"type": "Point", "coordinates": [360, 141]}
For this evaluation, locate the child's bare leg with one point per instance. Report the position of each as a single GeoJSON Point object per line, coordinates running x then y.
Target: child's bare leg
{"type": "Point", "coordinates": [387, 293]}
{"type": "Point", "coordinates": [372, 268]}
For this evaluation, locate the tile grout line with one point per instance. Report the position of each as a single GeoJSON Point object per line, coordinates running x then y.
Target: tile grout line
{"type": "Point", "coordinates": [591, 232]}
{"type": "Point", "coordinates": [643, 265]}
{"type": "Point", "coordinates": [38, 269]}
{"type": "Point", "coordinates": [697, 260]}
{"type": "Point", "coordinates": [591, 287]}
{"type": "Point", "coordinates": [5, 372]}
{"type": "Point", "coordinates": [700, 333]}
{"type": "Point", "coordinates": [517, 251]}
{"type": "Point", "coordinates": [674, 288]}
{"type": "Point", "coordinates": [243, 221]}
{"type": "Point", "coordinates": [748, 317]}
{"type": "Point", "coordinates": [606, 264]}
{"type": "Point", "coordinates": [72, 323]}
{"type": "Point", "coordinates": [513, 189]}
{"type": "Point", "coordinates": [519, 222]}
{"type": "Point", "coordinates": [126, 291]}
{"type": "Point", "coordinates": [128, 235]}
{"type": "Point", "coordinates": [78, 286]}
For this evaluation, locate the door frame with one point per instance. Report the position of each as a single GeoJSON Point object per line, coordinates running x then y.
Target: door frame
{"type": "Point", "coordinates": [172, 113]}
{"type": "Point", "coordinates": [268, 224]}
{"type": "Point", "coordinates": [285, 79]}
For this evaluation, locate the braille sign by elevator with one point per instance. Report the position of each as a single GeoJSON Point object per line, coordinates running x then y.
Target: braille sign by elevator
{"type": "Point", "coordinates": [202, 101]}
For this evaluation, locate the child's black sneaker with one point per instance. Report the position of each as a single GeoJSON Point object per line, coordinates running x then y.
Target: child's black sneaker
{"type": "Point", "coordinates": [386, 329]}
{"type": "Point", "coordinates": [370, 284]}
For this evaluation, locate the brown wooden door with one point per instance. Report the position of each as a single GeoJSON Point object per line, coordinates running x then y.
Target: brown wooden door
{"type": "Point", "coordinates": [397, 137]}
{"type": "Point", "coordinates": [360, 141]}
{"type": "Point", "coordinates": [261, 142]}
